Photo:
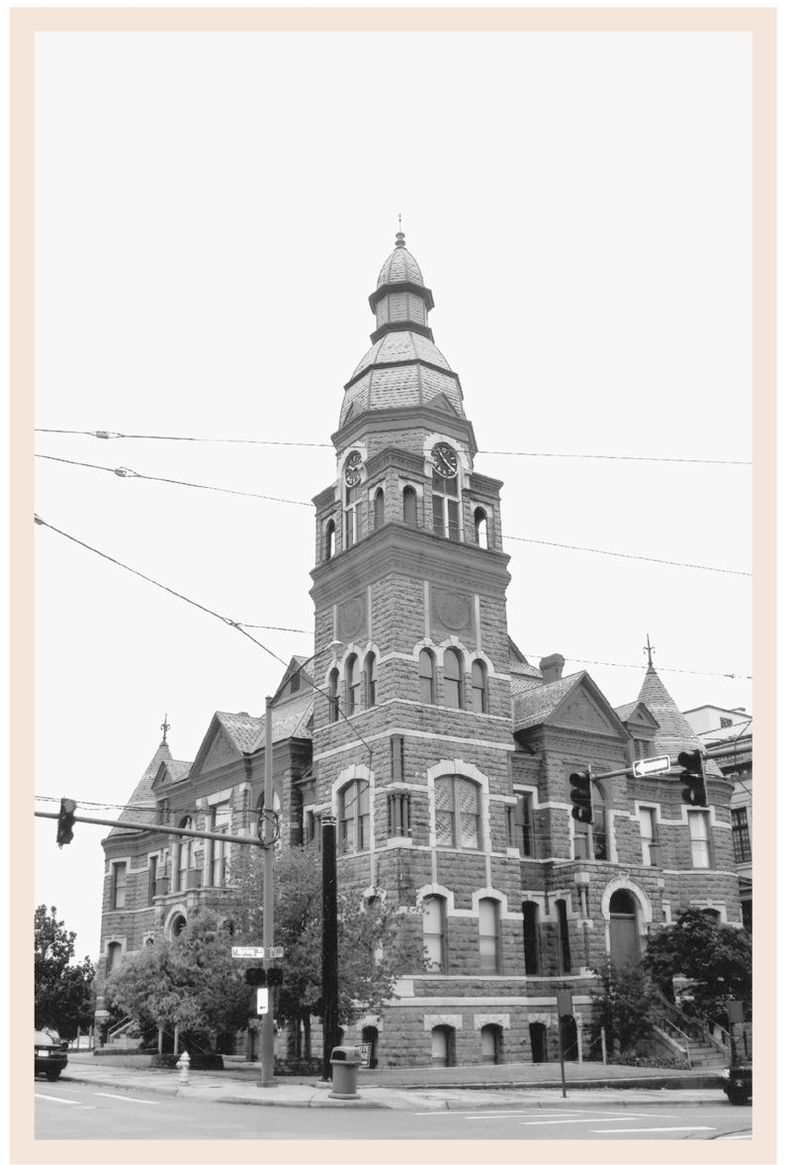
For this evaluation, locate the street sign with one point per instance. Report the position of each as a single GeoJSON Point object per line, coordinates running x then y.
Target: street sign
{"type": "Point", "coordinates": [248, 953]}
{"type": "Point", "coordinates": [262, 1001]}
{"type": "Point", "coordinates": [364, 1052]}
{"type": "Point", "coordinates": [650, 765]}
{"type": "Point", "coordinates": [276, 952]}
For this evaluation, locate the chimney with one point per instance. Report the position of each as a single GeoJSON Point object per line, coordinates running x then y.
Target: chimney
{"type": "Point", "coordinates": [551, 668]}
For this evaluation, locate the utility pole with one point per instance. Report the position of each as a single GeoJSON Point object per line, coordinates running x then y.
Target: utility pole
{"type": "Point", "coordinates": [329, 955]}
{"type": "Point", "coordinates": [266, 1033]}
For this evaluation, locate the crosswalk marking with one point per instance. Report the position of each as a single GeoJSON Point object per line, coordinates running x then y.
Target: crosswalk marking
{"type": "Point", "coordinates": [57, 1099]}
{"type": "Point", "coordinates": [129, 1099]}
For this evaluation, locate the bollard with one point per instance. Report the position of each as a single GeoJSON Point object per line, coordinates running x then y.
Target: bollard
{"type": "Point", "coordinates": [183, 1067]}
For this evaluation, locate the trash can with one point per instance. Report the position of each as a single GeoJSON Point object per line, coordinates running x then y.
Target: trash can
{"type": "Point", "coordinates": [345, 1063]}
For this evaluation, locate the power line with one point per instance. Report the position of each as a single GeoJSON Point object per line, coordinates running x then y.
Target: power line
{"type": "Point", "coordinates": [125, 473]}
{"type": "Point", "coordinates": [106, 435]}
{"type": "Point", "coordinates": [634, 557]}
{"type": "Point", "coordinates": [680, 670]}
{"type": "Point", "coordinates": [224, 619]}
{"type": "Point", "coordinates": [243, 627]}
{"type": "Point", "coordinates": [122, 471]}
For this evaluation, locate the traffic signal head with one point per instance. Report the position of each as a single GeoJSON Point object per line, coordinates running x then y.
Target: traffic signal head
{"type": "Point", "coordinates": [66, 821]}
{"type": "Point", "coordinates": [275, 976]}
{"type": "Point", "coordinates": [256, 976]}
{"type": "Point", "coordinates": [695, 790]}
{"type": "Point", "coordinates": [582, 808]}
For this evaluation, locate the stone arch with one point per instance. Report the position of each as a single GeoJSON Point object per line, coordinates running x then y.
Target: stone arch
{"type": "Point", "coordinates": [171, 925]}
{"type": "Point", "coordinates": [460, 768]}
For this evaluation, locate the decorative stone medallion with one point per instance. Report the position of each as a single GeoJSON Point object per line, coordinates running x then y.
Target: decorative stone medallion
{"type": "Point", "coordinates": [351, 617]}
{"type": "Point", "coordinates": [451, 611]}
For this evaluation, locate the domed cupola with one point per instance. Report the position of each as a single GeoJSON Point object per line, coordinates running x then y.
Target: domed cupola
{"type": "Point", "coordinates": [403, 368]}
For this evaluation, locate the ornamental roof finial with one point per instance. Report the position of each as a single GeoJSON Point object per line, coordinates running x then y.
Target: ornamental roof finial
{"type": "Point", "coordinates": [649, 649]}
{"type": "Point", "coordinates": [400, 238]}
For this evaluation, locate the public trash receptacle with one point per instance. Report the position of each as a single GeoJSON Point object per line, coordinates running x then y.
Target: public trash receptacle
{"type": "Point", "coordinates": [345, 1063]}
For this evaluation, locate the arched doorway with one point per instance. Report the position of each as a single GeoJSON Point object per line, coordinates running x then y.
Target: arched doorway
{"type": "Point", "coordinates": [624, 936]}
{"type": "Point", "coordinates": [491, 1044]}
{"type": "Point", "coordinates": [442, 1047]}
{"type": "Point", "coordinates": [538, 1043]}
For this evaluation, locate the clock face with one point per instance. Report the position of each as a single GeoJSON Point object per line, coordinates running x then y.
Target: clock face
{"type": "Point", "coordinates": [444, 459]}
{"type": "Point", "coordinates": [353, 468]}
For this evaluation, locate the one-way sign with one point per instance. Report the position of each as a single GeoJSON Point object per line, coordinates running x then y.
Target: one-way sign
{"type": "Point", "coordinates": [650, 765]}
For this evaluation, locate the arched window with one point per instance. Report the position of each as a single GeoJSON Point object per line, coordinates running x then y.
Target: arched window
{"type": "Point", "coordinates": [479, 688]}
{"type": "Point", "coordinates": [434, 926]}
{"type": "Point", "coordinates": [590, 841]}
{"type": "Point", "coordinates": [482, 528]}
{"type": "Point", "coordinates": [427, 686]}
{"type": "Point", "coordinates": [330, 540]}
{"type": "Point", "coordinates": [457, 812]}
{"type": "Point", "coordinates": [489, 935]}
{"type": "Point", "coordinates": [530, 933]}
{"type": "Point", "coordinates": [446, 506]}
{"type": "Point", "coordinates": [333, 694]}
{"type": "Point", "coordinates": [564, 950]}
{"type": "Point", "coordinates": [370, 679]}
{"type": "Point", "coordinates": [624, 936]}
{"type": "Point", "coordinates": [113, 958]}
{"type": "Point", "coordinates": [353, 681]}
{"type": "Point", "coordinates": [410, 506]}
{"type": "Point", "coordinates": [177, 926]}
{"type": "Point", "coordinates": [491, 1044]}
{"type": "Point", "coordinates": [185, 854]}
{"type": "Point", "coordinates": [378, 509]}
{"type": "Point", "coordinates": [354, 816]}
{"type": "Point", "coordinates": [453, 685]}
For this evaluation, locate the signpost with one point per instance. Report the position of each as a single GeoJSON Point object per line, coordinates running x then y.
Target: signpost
{"type": "Point", "coordinates": [275, 952]}
{"type": "Point", "coordinates": [248, 952]}
{"type": "Point", "coordinates": [650, 765]}
{"type": "Point", "coordinates": [262, 1001]}
{"type": "Point", "coordinates": [564, 1011]}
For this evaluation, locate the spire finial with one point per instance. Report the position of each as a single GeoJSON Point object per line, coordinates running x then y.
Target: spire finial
{"type": "Point", "coordinates": [165, 726]}
{"type": "Point", "coordinates": [649, 649]}
{"type": "Point", "coordinates": [400, 238]}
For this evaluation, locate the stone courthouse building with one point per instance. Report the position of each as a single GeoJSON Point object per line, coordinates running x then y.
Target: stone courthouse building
{"type": "Point", "coordinates": [443, 753]}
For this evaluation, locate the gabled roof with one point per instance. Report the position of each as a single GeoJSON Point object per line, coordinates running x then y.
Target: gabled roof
{"type": "Point", "coordinates": [170, 772]}
{"type": "Point", "coordinates": [242, 729]}
{"type": "Point", "coordinates": [542, 703]}
{"type": "Point", "coordinates": [636, 713]}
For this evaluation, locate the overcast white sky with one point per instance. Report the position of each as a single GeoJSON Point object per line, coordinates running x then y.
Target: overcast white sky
{"type": "Point", "coordinates": [212, 213]}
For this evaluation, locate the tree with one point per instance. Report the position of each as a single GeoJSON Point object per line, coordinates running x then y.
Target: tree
{"type": "Point", "coordinates": [370, 955]}
{"type": "Point", "coordinates": [62, 989]}
{"type": "Point", "coordinates": [191, 982]}
{"type": "Point", "coordinates": [715, 958]}
{"type": "Point", "coordinates": [622, 1006]}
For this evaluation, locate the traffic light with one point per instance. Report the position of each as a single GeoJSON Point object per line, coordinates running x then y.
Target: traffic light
{"type": "Point", "coordinates": [695, 791]}
{"type": "Point", "coordinates": [582, 808]}
{"type": "Point", "coordinates": [66, 821]}
{"type": "Point", "coordinates": [256, 976]}
{"type": "Point", "coordinates": [275, 976]}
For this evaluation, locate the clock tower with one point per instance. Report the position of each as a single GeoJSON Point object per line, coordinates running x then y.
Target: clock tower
{"type": "Point", "coordinates": [412, 737]}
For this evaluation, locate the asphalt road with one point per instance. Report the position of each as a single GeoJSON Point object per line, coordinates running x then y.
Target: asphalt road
{"type": "Point", "coordinates": [71, 1111]}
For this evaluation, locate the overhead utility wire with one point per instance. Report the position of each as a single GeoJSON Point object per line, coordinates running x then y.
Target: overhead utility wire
{"type": "Point", "coordinates": [122, 471]}
{"type": "Point", "coordinates": [682, 670]}
{"type": "Point", "coordinates": [244, 627]}
{"type": "Point", "coordinates": [224, 619]}
{"type": "Point", "coordinates": [125, 473]}
{"type": "Point", "coordinates": [106, 435]}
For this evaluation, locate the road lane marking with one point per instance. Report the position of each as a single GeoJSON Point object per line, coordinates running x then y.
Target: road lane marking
{"type": "Point", "coordinates": [661, 1129]}
{"type": "Point", "coordinates": [129, 1099]}
{"type": "Point", "coordinates": [585, 1120]}
{"type": "Point", "coordinates": [57, 1099]}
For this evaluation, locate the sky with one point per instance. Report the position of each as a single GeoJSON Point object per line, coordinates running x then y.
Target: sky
{"type": "Point", "coordinates": [212, 212]}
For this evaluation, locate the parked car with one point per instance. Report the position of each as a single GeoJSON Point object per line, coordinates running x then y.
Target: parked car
{"type": "Point", "coordinates": [738, 1084]}
{"type": "Point", "coordinates": [49, 1053]}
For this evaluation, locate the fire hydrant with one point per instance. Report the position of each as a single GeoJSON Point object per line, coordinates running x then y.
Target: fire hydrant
{"type": "Point", "coordinates": [183, 1067]}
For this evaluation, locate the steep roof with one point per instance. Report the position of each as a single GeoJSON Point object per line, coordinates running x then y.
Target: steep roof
{"type": "Point", "coordinates": [141, 803]}
{"type": "Point", "coordinates": [538, 704]}
{"type": "Point", "coordinates": [674, 733]}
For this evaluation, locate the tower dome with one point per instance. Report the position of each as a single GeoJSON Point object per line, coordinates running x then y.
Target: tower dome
{"type": "Point", "coordinates": [403, 368]}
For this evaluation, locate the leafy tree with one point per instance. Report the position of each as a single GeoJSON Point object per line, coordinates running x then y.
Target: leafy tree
{"type": "Point", "coordinates": [63, 989]}
{"type": "Point", "coordinates": [191, 983]}
{"type": "Point", "coordinates": [715, 958]}
{"type": "Point", "coordinates": [621, 1006]}
{"type": "Point", "coordinates": [370, 955]}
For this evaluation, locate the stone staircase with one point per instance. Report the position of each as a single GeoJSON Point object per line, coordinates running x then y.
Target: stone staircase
{"type": "Point", "coordinates": [694, 1044]}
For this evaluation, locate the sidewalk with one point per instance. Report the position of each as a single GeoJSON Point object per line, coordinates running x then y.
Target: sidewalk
{"type": "Point", "coordinates": [478, 1086]}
